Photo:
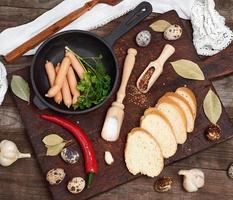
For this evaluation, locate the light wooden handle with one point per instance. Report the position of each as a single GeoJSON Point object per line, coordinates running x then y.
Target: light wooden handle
{"type": "Point", "coordinates": [168, 50]}
{"type": "Point", "coordinates": [127, 69]}
{"type": "Point", "coordinates": [37, 39]}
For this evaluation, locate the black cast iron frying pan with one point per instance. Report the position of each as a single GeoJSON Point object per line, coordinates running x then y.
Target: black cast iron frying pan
{"type": "Point", "coordinates": [87, 44]}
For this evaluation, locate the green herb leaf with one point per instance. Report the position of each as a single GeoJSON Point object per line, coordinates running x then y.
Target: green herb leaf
{"type": "Point", "coordinates": [52, 140]}
{"type": "Point", "coordinates": [95, 85]}
{"type": "Point", "coordinates": [160, 25]}
{"type": "Point", "coordinates": [212, 107]}
{"type": "Point", "coordinates": [55, 150]}
{"type": "Point", "coordinates": [20, 88]}
{"type": "Point", "coordinates": [188, 69]}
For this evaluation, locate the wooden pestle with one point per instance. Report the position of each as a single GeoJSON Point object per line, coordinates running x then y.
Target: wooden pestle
{"type": "Point", "coordinates": [115, 114]}
{"type": "Point", "coordinates": [157, 64]}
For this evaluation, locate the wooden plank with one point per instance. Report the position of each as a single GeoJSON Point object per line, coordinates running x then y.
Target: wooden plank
{"type": "Point", "coordinates": [36, 4]}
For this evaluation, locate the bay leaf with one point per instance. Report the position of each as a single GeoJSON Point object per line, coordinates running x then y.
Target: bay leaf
{"type": "Point", "coordinates": [56, 149]}
{"type": "Point", "coordinates": [212, 107]}
{"type": "Point", "coordinates": [160, 25]}
{"type": "Point", "coordinates": [20, 88]}
{"type": "Point", "coordinates": [188, 69]}
{"type": "Point", "coordinates": [52, 140]}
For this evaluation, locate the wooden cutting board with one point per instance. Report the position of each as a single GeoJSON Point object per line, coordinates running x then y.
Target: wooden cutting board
{"type": "Point", "coordinates": [112, 176]}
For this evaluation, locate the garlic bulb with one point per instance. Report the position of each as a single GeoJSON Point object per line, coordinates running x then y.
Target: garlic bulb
{"type": "Point", "coordinates": [193, 179]}
{"type": "Point", "coordinates": [9, 153]}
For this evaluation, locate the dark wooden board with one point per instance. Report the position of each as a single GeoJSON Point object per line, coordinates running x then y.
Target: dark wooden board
{"type": "Point", "coordinates": [111, 176]}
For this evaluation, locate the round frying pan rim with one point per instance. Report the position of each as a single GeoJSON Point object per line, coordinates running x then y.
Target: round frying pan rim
{"type": "Point", "coordinates": [43, 100]}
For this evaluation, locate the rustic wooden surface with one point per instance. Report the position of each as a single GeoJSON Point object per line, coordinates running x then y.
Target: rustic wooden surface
{"type": "Point", "coordinates": [24, 181]}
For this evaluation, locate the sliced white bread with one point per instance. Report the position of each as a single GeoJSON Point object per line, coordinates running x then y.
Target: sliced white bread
{"type": "Point", "coordinates": [143, 154]}
{"type": "Point", "coordinates": [159, 127]}
{"type": "Point", "coordinates": [184, 105]}
{"type": "Point", "coordinates": [190, 97]}
{"type": "Point", "coordinates": [175, 116]}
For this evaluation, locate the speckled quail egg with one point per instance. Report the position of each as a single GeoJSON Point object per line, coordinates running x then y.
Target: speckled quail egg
{"type": "Point", "coordinates": [173, 32]}
{"type": "Point", "coordinates": [70, 155]}
{"type": "Point", "coordinates": [143, 38]}
{"type": "Point", "coordinates": [230, 171]}
{"type": "Point", "coordinates": [55, 176]}
{"type": "Point", "coordinates": [76, 185]}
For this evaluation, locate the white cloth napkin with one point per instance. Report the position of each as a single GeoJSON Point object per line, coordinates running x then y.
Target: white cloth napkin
{"type": "Point", "coordinates": [3, 82]}
{"type": "Point", "coordinates": [101, 14]}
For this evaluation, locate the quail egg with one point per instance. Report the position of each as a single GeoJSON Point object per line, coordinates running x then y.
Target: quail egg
{"type": "Point", "coordinates": [76, 185]}
{"type": "Point", "coordinates": [55, 176]}
{"type": "Point", "coordinates": [143, 38]}
{"type": "Point", "coordinates": [70, 155]}
{"type": "Point", "coordinates": [173, 32]}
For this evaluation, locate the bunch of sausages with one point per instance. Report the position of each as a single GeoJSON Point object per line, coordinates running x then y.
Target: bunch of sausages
{"type": "Point", "coordinates": [63, 80]}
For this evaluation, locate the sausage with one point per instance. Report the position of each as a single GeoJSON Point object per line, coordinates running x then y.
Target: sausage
{"type": "Point", "coordinates": [61, 76]}
{"type": "Point", "coordinates": [58, 96]}
{"type": "Point", "coordinates": [76, 64]}
{"type": "Point", "coordinates": [73, 84]}
{"type": "Point", "coordinates": [49, 67]}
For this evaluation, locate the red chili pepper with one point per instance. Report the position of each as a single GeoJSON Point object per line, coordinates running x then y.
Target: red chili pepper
{"type": "Point", "coordinates": [87, 148]}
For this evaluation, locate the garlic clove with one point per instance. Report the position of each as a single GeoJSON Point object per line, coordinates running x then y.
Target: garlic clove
{"type": "Point", "coordinates": [193, 179]}
{"type": "Point", "coordinates": [189, 186]}
{"type": "Point", "coordinates": [108, 158]}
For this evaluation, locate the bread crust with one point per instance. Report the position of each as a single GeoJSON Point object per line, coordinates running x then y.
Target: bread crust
{"type": "Point", "coordinates": [165, 99]}
{"type": "Point", "coordinates": [180, 111]}
{"type": "Point", "coordinates": [192, 96]}
{"type": "Point", "coordinates": [172, 94]}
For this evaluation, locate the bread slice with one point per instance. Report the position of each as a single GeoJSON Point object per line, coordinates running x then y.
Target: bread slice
{"type": "Point", "coordinates": [159, 127]}
{"type": "Point", "coordinates": [175, 116]}
{"type": "Point", "coordinates": [143, 154]}
{"type": "Point", "coordinates": [190, 97]}
{"type": "Point", "coordinates": [184, 105]}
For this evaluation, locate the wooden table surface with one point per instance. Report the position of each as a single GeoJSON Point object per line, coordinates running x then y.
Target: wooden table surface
{"type": "Point", "coordinates": [24, 181]}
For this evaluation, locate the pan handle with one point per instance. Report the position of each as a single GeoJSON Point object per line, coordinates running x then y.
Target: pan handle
{"type": "Point", "coordinates": [143, 10]}
{"type": "Point", "coordinates": [37, 102]}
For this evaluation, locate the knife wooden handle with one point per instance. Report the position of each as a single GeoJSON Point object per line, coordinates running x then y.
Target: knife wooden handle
{"type": "Point", "coordinates": [127, 69]}
{"type": "Point", "coordinates": [37, 39]}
